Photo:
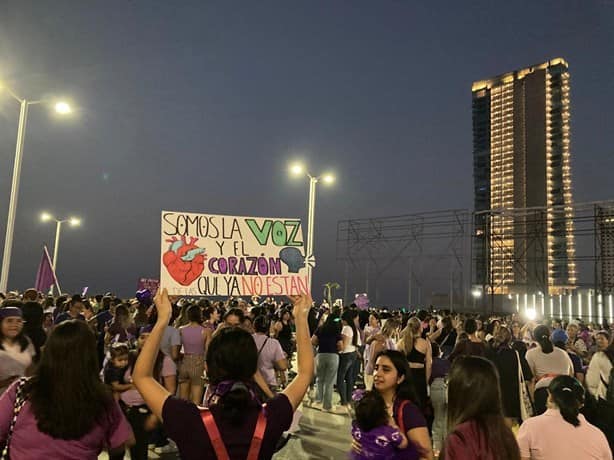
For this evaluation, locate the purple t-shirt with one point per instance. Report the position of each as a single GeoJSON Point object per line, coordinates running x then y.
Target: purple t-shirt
{"type": "Point", "coordinates": [184, 425]}
{"type": "Point", "coordinates": [412, 418]}
{"type": "Point", "coordinates": [29, 443]}
{"type": "Point", "coordinates": [380, 443]}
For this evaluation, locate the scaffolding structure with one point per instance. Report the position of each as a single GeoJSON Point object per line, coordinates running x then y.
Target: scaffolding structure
{"type": "Point", "coordinates": [435, 255]}
{"type": "Point", "coordinates": [400, 247]}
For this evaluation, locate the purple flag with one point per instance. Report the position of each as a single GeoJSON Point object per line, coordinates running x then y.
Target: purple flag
{"type": "Point", "coordinates": [45, 277]}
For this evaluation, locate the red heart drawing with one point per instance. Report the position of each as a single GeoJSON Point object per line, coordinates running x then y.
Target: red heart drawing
{"type": "Point", "coordinates": [184, 261]}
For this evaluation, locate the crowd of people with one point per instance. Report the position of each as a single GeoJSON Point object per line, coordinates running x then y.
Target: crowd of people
{"type": "Point", "coordinates": [223, 379]}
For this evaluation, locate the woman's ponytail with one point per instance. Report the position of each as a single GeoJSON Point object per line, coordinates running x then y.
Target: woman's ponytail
{"type": "Point", "coordinates": [235, 401]}
{"type": "Point", "coordinates": [542, 336]}
{"type": "Point", "coordinates": [568, 394]}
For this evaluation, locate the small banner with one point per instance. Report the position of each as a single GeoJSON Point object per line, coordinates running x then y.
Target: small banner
{"type": "Point", "coordinates": [148, 283]}
{"type": "Point", "coordinates": [214, 255]}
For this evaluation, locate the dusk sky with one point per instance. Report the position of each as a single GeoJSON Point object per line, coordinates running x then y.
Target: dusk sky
{"type": "Point", "coordinates": [200, 106]}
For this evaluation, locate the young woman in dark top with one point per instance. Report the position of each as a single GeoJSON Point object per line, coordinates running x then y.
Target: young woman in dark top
{"type": "Point", "coordinates": [445, 337]}
{"type": "Point", "coordinates": [506, 360]}
{"type": "Point", "coordinates": [392, 379]}
{"type": "Point", "coordinates": [329, 341]}
{"type": "Point", "coordinates": [418, 353]}
{"type": "Point", "coordinates": [473, 346]}
{"type": "Point", "coordinates": [236, 425]}
{"type": "Point", "coordinates": [475, 418]}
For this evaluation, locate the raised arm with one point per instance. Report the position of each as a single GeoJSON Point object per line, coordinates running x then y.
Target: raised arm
{"type": "Point", "coordinates": [153, 393]}
{"type": "Point", "coordinates": [299, 385]}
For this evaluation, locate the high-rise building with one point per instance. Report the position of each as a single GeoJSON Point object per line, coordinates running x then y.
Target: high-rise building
{"type": "Point", "coordinates": [605, 235]}
{"type": "Point", "coordinates": [522, 181]}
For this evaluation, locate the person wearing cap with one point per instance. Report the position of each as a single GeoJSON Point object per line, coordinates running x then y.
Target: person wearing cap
{"type": "Point", "coordinates": [16, 349]}
{"type": "Point", "coordinates": [562, 432]}
{"type": "Point", "coordinates": [559, 339]}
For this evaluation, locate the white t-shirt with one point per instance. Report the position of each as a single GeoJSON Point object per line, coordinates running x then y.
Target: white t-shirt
{"type": "Point", "coordinates": [14, 362]}
{"type": "Point", "coordinates": [348, 332]}
{"type": "Point", "coordinates": [555, 363]}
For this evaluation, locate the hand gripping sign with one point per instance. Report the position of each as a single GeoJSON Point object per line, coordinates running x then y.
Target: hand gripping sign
{"type": "Point", "coordinates": [214, 255]}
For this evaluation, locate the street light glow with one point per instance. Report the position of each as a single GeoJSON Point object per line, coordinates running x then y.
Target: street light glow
{"type": "Point", "coordinates": [328, 178]}
{"type": "Point", "coordinates": [74, 221]}
{"type": "Point", "coordinates": [476, 293]}
{"type": "Point", "coordinates": [62, 108]}
{"type": "Point", "coordinates": [296, 169]}
{"type": "Point", "coordinates": [46, 217]}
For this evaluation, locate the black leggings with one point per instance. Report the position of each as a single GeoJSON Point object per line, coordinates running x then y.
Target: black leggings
{"type": "Point", "coordinates": [136, 416]}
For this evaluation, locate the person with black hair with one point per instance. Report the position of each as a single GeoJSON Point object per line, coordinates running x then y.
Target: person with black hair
{"type": "Point", "coordinates": [476, 425]}
{"type": "Point", "coordinates": [329, 341]}
{"type": "Point", "coordinates": [271, 356]}
{"type": "Point", "coordinates": [375, 429]}
{"type": "Point", "coordinates": [16, 349]}
{"type": "Point", "coordinates": [473, 346]}
{"type": "Point", "coordinates": [68, 412]}
{"type": "Point", "coordinates": [33, 325]}
{"type": "Point", "coordinates": [507, 360]}
{"type": "Point", "coordinates": [235, 424]}
{"type": "Point", "coordinates": [347, 358]}
{"type": "Point", "coordinates": [546, 362]}
{"type": "Point", "coordinates": [74, 310]}
{"type": "Point", "coordinates": [562, 432]}
{"type": "Point", "coordinates": [392, 380]}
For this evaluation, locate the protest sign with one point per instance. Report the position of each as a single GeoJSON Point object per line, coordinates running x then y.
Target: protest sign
{"type": "Point", "coordinates": [148, 283]}
{"type": "Point", "coordinates": [214, 255]}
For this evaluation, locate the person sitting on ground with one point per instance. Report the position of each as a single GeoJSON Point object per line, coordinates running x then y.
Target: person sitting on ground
{"type": "Point", "coordinates": [475, 416]}
{"type": "Point", "coordinates": [235, 424]}
{"type": "Point", "coordinates": [562, 432]}
{"type": "Point", "coordinates": [68, 413]}
{"type": "Point", "coordinates": [375, 429]}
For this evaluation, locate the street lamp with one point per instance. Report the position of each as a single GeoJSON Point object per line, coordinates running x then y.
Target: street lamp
{"type": "Point", "coordinates": [297, 170]}
{"type": "Point", "coordinates": [72, 221]}
{"type": "Point", "coordinates": [60, 107]}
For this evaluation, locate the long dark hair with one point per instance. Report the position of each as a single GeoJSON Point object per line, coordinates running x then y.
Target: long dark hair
{"type": "Point", "coordinates": [405, 389]}
{"type": "Point", "coordinates": [478, 378]}
{"type": "Point", "coordinates": [332, 325]}
{"type": "Point", "coordinates": [232, 355]}
{"type": "Point", "coordinates": [348, 316]}
{"type": "Point", "coordinates": [542, 336]}
{"type": "Point", "coordinates": [67, 396]}
{"type": "Point", "coordinates": [568, 394]}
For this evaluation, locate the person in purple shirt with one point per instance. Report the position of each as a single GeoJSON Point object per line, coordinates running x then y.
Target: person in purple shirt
{"type": "Point", "coordinates": [235, 425]}
{"type": "Point", "coordinates": [89, 421]}
{"type": "Point", "coordinates": [392, 379]}
{"type": "Point", "coordinates": [375, 429]}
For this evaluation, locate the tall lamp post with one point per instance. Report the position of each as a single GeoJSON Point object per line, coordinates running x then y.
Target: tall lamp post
{"type": "Point", "coordinates": [72, 221]}
{"type": "Point", "coordinates": [62, 108]}
{"type": "Point", "coordinates": [298, 170]}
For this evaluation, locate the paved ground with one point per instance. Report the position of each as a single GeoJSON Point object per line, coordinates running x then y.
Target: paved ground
{"type": "Point", "coordinates": [322, 436]}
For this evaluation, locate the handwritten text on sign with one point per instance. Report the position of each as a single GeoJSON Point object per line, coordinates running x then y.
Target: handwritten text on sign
{"type": "Point", "coordinates": [212, 255]}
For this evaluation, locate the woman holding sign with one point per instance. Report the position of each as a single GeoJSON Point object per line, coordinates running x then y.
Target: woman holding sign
{"type": "Point", "coordinates": [235, 425]}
